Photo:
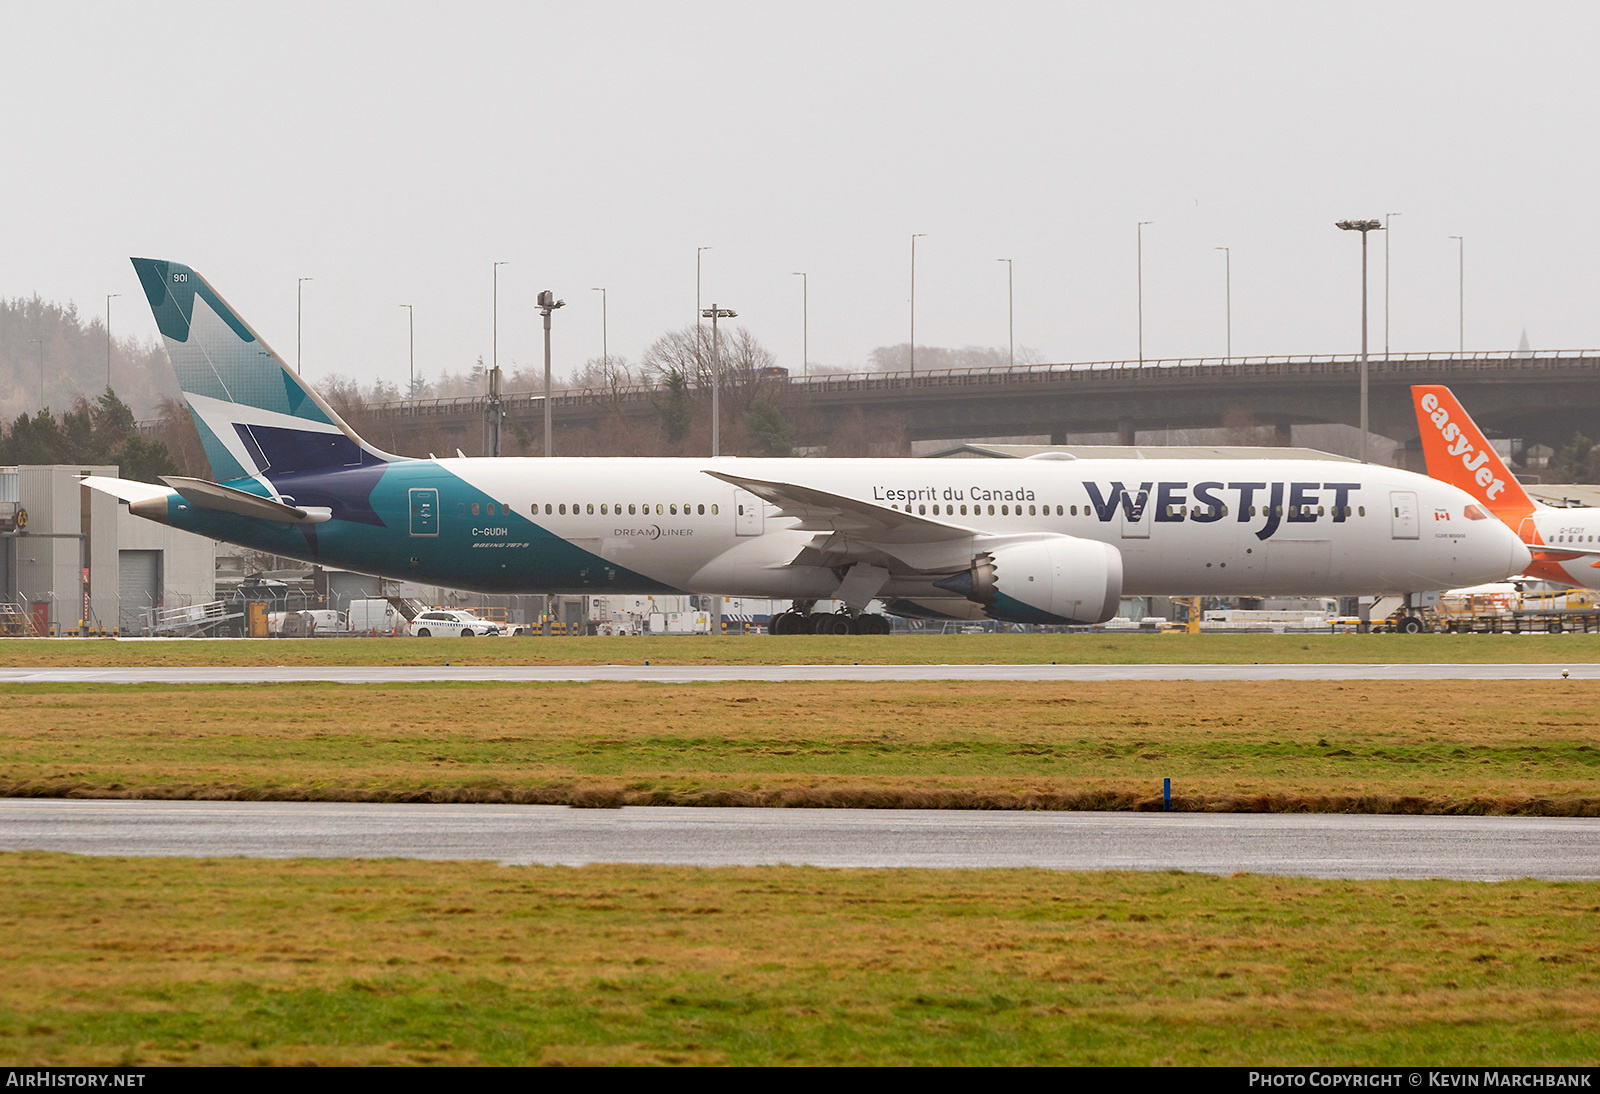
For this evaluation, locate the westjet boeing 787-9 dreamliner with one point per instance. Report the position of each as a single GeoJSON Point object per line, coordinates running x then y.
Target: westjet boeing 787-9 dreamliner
{"type": "Point", "coordinates": [1042, 540]}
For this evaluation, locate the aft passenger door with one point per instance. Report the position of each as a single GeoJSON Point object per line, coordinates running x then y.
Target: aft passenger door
{"type": "Point", "coordinates": [749, 515]}
{"type": "Point", "coordinates": [424, 512]}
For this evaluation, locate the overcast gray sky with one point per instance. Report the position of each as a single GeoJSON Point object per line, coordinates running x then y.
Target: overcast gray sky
{"type": "Point", "coordinates": [394, 151]}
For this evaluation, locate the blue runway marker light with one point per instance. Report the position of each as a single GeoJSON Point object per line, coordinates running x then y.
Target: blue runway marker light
{"type": "Point", "coordinates": [1166, 794]}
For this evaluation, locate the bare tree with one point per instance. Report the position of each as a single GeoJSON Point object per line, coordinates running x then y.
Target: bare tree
{"type": "Point", "coordinates": [685, 363]}
{"type": "Point", "coordinates": [685, 353]}
{"type": "Point", "coordinates": [608, 374]}
{"type": "Point", "coordinates": [857, 435]}
{"type": "Point", "coordinates": [177, 431]}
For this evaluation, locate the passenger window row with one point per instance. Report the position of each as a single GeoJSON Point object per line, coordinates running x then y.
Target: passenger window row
{"type": "Point", "coordinates": [669, 509]}
{"type": "Point", "coordinates": [948, 510]}
{"type": "Point", "coordinates": [1174, 511]}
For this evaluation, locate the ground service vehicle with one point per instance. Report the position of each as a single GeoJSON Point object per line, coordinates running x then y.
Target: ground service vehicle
{"type": "Point", "coordinates": [441, 622]}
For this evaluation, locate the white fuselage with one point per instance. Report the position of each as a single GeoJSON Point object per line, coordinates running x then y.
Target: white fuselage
{"type": "Point", "coordinates": [1182, 526]}
{"type": "Point", "coordinates": [1577, 529]}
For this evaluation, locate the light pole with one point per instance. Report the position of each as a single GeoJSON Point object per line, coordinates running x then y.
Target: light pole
{"type": "Point", "coordinates": [1362, 226]}
{"type": "Point", "coordinates": [494, 315]}
{"type": "Point", "coordinates": [547, 306]}
{"type": "Point", "coordinates": [697, 311]}
{"type": "Point", "coordinates": [411, 323]}
{"type": "Point", "coordinates": [1386, 217]}
{"type": "Point", "coordinates": [1227, 282]}
{"type": "Point", "coordinates": [299, 285]}
{"type": "Point", "coordinates": [1142, 223]}
{"type": "Point", "coordinates": [605, 353]}
{"type": "Point", "coordinates": [40, 343]}
{"type": "Point", "coordinates": [1461, 294]}
{"type": "Point", "coordinates": [110, 297]}
{"type": "Point", "coordinates": [914, 239]}
{"type": "Point", "coordinates": [494, 357]}
{"type": "Point", "coordinates": [805, 321]}
{"type": "Point", "coordinates": [1011, 313]}
{"type": "Point", "coordinates": [714, 313]}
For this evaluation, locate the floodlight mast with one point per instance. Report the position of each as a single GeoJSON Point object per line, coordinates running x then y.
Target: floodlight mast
{"type": "Point", "coordinates": [714, 313]}
{"type": "Point", "coordinates": [547, 306]}
{"type": "Point", "coordinates": [1362, 226]}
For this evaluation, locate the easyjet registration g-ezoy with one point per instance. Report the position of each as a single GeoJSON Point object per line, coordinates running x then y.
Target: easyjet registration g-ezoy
{"type": "Point", "coordinates": [1043, 540]}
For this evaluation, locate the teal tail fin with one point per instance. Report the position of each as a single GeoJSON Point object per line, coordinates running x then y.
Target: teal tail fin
{"type": "Point", "coordinates": [256, 418]}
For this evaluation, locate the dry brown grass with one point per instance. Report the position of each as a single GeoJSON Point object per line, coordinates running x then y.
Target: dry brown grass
{"type": "Point", "coordinates": [1385, 747]}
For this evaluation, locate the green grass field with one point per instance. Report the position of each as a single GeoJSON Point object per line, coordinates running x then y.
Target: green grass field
{"type": "Point", "coordinates": [146, 962]}
{"type": "Point", "coordinates": [957, 649]}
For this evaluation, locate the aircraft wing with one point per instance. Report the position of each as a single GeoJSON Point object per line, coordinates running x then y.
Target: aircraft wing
{"type": "Point", "coordinates": [213, 495]}
{"type": "Point", "coordinates": [204, 495]}
{"type": "Point", "coordinates": [823, 511]}
{"type": "Point", "coordinates": [125, 489]}
{"type": "Point", "coordinates": [1558, 552]}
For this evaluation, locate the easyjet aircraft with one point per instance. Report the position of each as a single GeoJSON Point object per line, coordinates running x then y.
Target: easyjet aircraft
{"type": "Point", "coordinates": [1041, 540]}
{"type": "Point", "coordinates": [1565, 542]}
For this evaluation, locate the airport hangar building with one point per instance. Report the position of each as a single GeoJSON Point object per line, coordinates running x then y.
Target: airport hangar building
{"type": "Point", "coordinates": [71, 557]}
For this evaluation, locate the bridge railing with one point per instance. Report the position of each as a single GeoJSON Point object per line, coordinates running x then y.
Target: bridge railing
{"type": "Point", "coordinates": [1155, 369]}
{"type": "Point", "coordinates": [1453, 363]}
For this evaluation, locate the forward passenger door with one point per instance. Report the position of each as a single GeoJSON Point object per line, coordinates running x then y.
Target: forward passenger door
{"type": "Point", "coordinates": [1403, 514]}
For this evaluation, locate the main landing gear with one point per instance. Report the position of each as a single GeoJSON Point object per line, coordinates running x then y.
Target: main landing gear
{"type": "Point", "coordinates": [800, 619]}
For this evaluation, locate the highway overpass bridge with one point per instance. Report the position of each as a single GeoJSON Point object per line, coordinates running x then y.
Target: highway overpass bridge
{"type": "Point", "coordinates": [1543, 397]}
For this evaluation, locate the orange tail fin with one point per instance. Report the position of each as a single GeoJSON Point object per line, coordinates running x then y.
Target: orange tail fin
{"type": "Point", "coordinates": [1458, 453]}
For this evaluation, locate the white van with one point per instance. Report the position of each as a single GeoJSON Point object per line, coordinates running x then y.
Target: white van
{"type": "Point", "coordinates": [375, 615]}
{"type": "Point", "coordinates": [307, 624]}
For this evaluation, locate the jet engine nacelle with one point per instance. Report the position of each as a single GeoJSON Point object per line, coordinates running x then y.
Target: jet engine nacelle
{"type": "Point", "coordinates": [1056, 579]}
